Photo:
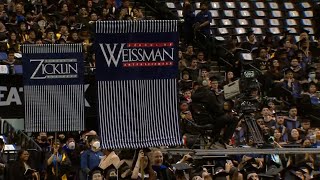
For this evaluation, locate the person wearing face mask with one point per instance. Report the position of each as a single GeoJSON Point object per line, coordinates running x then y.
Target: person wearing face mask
{"type": "Point", "coordinates": [73, 152]}
{"type": "Point", "coordinates": [90, 158]}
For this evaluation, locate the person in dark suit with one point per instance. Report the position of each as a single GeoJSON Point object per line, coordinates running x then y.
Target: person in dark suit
{"type": "Point", "coordinates": [22, 169]}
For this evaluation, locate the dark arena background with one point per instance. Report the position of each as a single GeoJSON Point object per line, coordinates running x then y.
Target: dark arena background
{"type": "Point", "coordinates": [155, 89]}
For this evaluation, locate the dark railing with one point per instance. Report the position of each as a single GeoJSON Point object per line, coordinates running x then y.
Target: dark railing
{"type": "Point", "coordinates": [9, 131]}
{"type": "Point", "coordinates": [21, 141]}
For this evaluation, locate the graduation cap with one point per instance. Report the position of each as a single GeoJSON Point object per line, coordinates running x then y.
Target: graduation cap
{"type": "Point", "coordinates": [124, 170]}
{"type": "Point", "coordinates": [311, 69]}
{"type": "Point", "coordinates": [305, 120]}
{"type": "Point", "coordinates": [302, 30]}
{"type": "Point", "coordinates": [304, 165]}
{"type": "Point", "coordinates": [181, 167]}
{"type": "Point", "coordinates": [111, 172]}
{"type": "Point", "coordinates": [214, 78]}
{"type": "Point", "coordinates": [288, 70]}
{"type": "Point", "coordinates": [63, 23]}
{"type": "Point", "coordinates": [96, 170]}
{"type": "Point", "coordinates": [271, 173]}
{"type": "Point", "coordinates": [249, 33]}
{"type": "Point", "coordinates": [281, 113]}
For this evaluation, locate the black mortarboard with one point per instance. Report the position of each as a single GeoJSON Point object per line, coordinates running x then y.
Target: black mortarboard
{"type": "Point", "coordinates": [265, 176]}
{"type": "Point", "coordinates": [214, 78]}
{"type": "Point", "coordinates": [302, 30]}
{"type": "Point", "coordinates": [181, 167]}
{"type": "Point", "coordinates": [281, 52]}
{"type": "Point", "coordinates": [249, 33]}
{"type": "Point", "coordinates": [124, 170]}
{"type": "Point", "coordinates": [294, 174]}
{"type": "Point", "coordinates": [305, 165]}
{"type": "Point", "coordinates": [281, 113]}
{"type": "Point", "coordinates": [95, 171]}
{"type": "Point", "coordinates": [63, 23]}
{"type": "Point", "coordinates": [312, 69]}
{"type": "Point", "coordinates": [185, 72]}
{"type": "Point", "coordinates": [305, 120]}
{"type": "Point", "coordinates": [111, 172]}
{"type": "Point", "coordinates": [50, 30]}
{"type": "Point", "coordinates": [288, 70]}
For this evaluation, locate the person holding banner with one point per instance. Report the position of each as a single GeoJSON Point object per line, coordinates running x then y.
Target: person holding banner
{"type": "Point", "coordinates": [22, 169]}
{"type": "Point", "coordinates": [91, 157]}
{"type": "Point", "coordinates": [58, 163]}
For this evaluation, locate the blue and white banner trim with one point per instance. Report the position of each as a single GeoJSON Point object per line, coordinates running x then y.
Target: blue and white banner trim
{"type": "Point", "coordinates": [143, 26]}
{"type": "Point", "coordinates": [138, 113]}
{"type": "Point", "coordinates": [51, 48]}
{"type": "Point", "coordinates": [54, 108]}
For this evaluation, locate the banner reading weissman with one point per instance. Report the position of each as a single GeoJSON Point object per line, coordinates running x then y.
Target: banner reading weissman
{"type": "Point", "coordinates": [53, 87]}
{"type": "Point", "coordinates": [136, 72]}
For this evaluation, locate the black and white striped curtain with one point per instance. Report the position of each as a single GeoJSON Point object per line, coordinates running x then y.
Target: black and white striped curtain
{"type": "Point", "coordinates": [137, 86]}
{"type": "Point", "coordinates": [53, 87]}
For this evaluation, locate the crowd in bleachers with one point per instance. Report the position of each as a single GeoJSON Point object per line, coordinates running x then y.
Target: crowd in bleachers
{"type": "Point", "coordinates": [287, 94]}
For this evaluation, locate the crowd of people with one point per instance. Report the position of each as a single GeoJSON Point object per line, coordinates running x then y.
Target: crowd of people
{"type": "Point", "coordinates": [286, 73]}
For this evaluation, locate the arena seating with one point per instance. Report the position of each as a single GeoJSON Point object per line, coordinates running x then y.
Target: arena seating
{"type": "Point", "coordinates": [236, 17]}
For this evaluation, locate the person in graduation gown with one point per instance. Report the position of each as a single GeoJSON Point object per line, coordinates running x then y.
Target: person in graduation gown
{"type": "Point", "coordinates": [251, 43]}
{"type": "Point", "coordinates": [22, 168]}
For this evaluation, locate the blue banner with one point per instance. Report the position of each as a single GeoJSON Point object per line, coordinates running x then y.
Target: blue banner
{"type": "Point", "coordinates": [53, 87]}
{"type": "Point", "coordinates": [137, 66]}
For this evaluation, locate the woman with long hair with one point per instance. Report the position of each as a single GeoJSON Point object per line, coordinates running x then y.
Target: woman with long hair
{"type": "Point", "coordinates": [142, 168]}
{"type": "Point", "coordinates": [22, 169]}
{"type": "Point", "coordinates": [13, 42]}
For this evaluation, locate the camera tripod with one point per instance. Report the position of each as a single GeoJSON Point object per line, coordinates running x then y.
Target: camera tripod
{"type": "Point", "coordinates": [253, 128]}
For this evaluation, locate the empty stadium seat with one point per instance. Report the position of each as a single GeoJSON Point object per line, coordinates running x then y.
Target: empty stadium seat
{"type": "Point", "coordinates": [230, 5]}
{"type": "Point", "coordinates": [257, 30]}
{"type": "Point", "coordinates": [288, 5]}
{"type": "Point", "coordinates": [259, 22]}
{"type": "Point", "coordinates": [242, 22]}
{"type": "Point", "coordinates": [305, 5]}
{"type": "Point", "coordinates": [273, 5]}
{"type": "Point", "coordinates": [260, 14]}
{"type": "Point", "coordinates": [171, 5]}
{"type": "Point", "coordinates": [291, 22]}
{"type": "Point", "coordinates": [306, 22]}
{"type": "Point", "coordinates": [311, 31]}
{"type": "Point", "coordinates": [226, 22]}
{"type": "Point", "coordinates": [260, 5]}
{"type": "Point", "coordinates": [3, 56]}
{"type": "Point", "coordinates": [274, 30]}
{"type": "Point", "coordinates": [197, 5]}
{"type": "Point", "coordinates": [223, 31]}
{"type": "Point", "coordinates": [276, 14]}
{"type": "Point", "coordinates": [215, 13]}
{"type": "Point", "coordinates": [244, 13]}
{"type": "Point", "coordinates": [18, 69]}
{"type": "Point", "coordinates": [240, 31]}
{"type": "Point", "coordinates": [244, 5]}
{"type": "Point", "coordinates": [308, 14]}
{"type": "Point", "coordinates": [228, 13]}
{"type": "Point", "coordinates": [293, 14]}
{"type": "Point", "coordinates": [215, 5]}
{"type": "Point", "coordinates": [292, 30]}
{"type": "Point", "coordinates": [274, 22]}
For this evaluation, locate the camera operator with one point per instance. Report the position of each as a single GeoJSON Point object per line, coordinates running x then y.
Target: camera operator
{"type": "Point", "coordinates": [213, 112]}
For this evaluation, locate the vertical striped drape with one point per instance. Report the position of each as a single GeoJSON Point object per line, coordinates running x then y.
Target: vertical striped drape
{"type": "Point", "coordinates": [137, 99]}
